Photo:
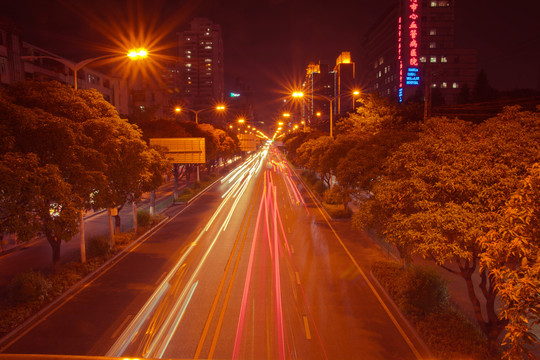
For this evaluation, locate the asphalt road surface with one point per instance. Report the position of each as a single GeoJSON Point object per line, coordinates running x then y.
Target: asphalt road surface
{"type": "Point", "coordinates": [250, 270]}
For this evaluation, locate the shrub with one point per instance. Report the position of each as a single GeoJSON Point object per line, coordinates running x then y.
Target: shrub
{"type": "Point", "coordinates": [143, 217]}
{"type": "Point", "coordinates": [333, 196]}
{"type": "Point", "coordinates": [29, 285]}
{"type": "Point", "coordinates": [99, 246]}
{"type": "Point", "coordinates": [337, 211]}
{"type": "Point", "coordinates": [424, 290]}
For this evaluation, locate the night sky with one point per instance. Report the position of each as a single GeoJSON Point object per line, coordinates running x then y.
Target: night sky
{"type": "Point", "coordinates": [269, 42]}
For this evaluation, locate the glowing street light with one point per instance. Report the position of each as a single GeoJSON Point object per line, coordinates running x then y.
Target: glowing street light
{"type": "Point", "coordinates": [179, 109]}
{"type": "Point", "coordinates": [137, 54]}
{"type": "Point", "coordinates": [298, 94]}
{"type": "Point", "coordinates": [355, 94]}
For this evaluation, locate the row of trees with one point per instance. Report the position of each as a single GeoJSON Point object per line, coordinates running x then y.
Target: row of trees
{"type": "Point", "coordinates": [65, 152]}
{"type": "Point", "coordinates": [463, 195]}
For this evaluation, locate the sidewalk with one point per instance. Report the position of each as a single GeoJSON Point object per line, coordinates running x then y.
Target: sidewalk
{"type": "Point", "coordinates": [36, 254]}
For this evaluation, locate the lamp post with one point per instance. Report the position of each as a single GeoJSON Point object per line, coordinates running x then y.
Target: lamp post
{"type": "Point", "coordinates": [196, 112]}
{"type": "Point", "coordinates": [331, 100]}
{"type": "Point", "coordinates": [355, 94]}
{"type": "Point", "coordinates": [75, 67]}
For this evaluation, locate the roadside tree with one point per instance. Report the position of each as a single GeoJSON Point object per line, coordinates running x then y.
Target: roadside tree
{"type": "Point", "coordinates": [442, 193]}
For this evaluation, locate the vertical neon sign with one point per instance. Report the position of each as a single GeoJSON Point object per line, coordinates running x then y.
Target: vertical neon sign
{"type": "Point", "coordinates": [400, 60]}
{"type": "Point", "coordinates": [413, 76]}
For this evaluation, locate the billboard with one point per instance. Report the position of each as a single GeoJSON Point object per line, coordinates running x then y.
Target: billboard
{"type": "Point", "coordinates": [182, 150]}
{"type": "Point", "coordinates": [248, 142]}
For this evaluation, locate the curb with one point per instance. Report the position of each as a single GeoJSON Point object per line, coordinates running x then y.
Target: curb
{"type": "Point", "coordinates": [56, 303]}
{"type": "Point", "coordinates": [404, 320]}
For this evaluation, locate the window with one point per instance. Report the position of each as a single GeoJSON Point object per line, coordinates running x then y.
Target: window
{"type": "Point", "coordinates": [433, 59]}
{"type": "Point", "coordinates": [381, 60]}
{"type": "Point", "coordinates": [443, 85]}
{"type": "Point", "coordinates": [444, 59]}
{"type": "Point", "coordinates": [433, 4]}
{"type": "Point", "coordinates": [433, 32]}
{"type": "Point", "coordinates": [422, 59]}
{"type": "Point", "coordinates": [433, 85]}
{"type": "Point", "coordinates": [106, 83]}
{"type": "Point", "coordinates": [188, 65]}
{"type": "Point", "coordinates": [432, 45]}
{"type": "Point", "coordinates": [208, 47]}
{"type": "Point", "coordinates": [455, 85]}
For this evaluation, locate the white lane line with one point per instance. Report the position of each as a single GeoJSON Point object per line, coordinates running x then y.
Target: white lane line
{"type": "Point", "coordinates": [306, 326]}
{"type": "Point", "coordinates": [113, 336]}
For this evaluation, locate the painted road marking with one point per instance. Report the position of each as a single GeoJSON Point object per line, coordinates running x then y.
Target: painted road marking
{"type": "Point", "coordinates": [121, 326]}
{"type": "Point", "coordinates": [306, 326]}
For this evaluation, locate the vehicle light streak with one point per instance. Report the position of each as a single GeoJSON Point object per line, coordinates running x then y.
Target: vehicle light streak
{"type": "Point", "coordinates": [146, 311]}
{"type": "Point", "coordinates": [170, 326]}
{"type": "Point", "coordinates": [277, 283]}
{"type": "Point", "coordinates": [243, 305]}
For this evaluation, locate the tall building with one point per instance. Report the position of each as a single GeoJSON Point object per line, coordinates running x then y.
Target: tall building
{"type": "Point", "coordinates": [344, 83]}
{"type": "Point", "coordinates": [325, 85]}
{"type": "Point", "coordinates": [411, 51]}
{"type": "Point", "coordinates": [201, 64]}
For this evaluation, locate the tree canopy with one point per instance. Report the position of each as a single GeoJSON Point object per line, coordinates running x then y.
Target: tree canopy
{"type": "Point", "coordinates": [100, 159]}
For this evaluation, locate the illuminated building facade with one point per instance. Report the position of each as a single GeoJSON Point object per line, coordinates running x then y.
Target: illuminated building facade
{"type": "Point", "coordinates": [318, 85]}
{"type": "Point", "coordinates": [323, 83]}
{"type": "Point", "coordinates": [201, 64]}
{"type": "Point", "coordinates": [344, 83]}
{"type": "Point", "coordinates": [411, 50]}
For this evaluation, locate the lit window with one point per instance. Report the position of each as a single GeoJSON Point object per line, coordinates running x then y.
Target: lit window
{"type": "Point", "coordinates": [455, 85]}
{"type": "Point", "coordinates": [188, 39]}
{"type": "Point", "coordinates": [422, 59]}
{"type": "Point", "coordinates": [189, 56]}
{"type": "Point", "coordinates": [432, 45]}
{"type": "Point", "coordinates": [381, 60]}
{"type": "Point", "coordinates": [433, 59]}
{"type": "Point", "coordinates": [443, 85]}
{"type": "Point", "coordinates": [444, 3]}
{"type": "Point", "coordinates": [444, 59]}
{"type": "Point", "coordinates": [433, 85]}
{"type": "Point", "coordinates": [433, 4]}
{"type": "Point", "coordinates": [433, 32]}
{"type": "Point", "coordinates": [188, 51]}
{"type": "Point", "coordinates": [208, 47]}
{"type": "Point", "coordinates": [207, 60]}
{"type": "Point", "coordinates": [188, 65]}
{"type": "Point", "coordinates": [376, 63]}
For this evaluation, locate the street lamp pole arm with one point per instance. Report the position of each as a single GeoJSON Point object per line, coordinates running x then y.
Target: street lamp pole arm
{"type": "Point", "coordinates": [75, 67]}
{"type": "Point", "coordinates": [331, 100]}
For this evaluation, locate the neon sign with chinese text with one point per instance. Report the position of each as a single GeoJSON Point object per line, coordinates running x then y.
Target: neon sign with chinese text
{"type": "Point", "coordinates": [400, 60]}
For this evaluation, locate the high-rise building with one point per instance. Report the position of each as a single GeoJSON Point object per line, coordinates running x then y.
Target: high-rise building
{"type": "Point", "coordinates": [201, 64]}
{"type": "Point", "coordinates": [410, 52]}
{"type": "Point", "coordinates": [326, 86]}
{"type": "Point", "coordinates": [344, 83]}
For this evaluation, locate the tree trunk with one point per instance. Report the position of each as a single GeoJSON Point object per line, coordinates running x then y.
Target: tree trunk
{"type": "Point", "coordinates": [117, 224]}
{"type": "Point", "coordinates": [176, 175]}
{"type": "Point", "coordinates": [134, 217]}
{"type": "Point", "coordinates": [83, 243]}
{"type": "Point", "coordinates": [55, 243]}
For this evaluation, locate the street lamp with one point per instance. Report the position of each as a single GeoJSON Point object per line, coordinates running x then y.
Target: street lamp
{"type": "Point", "coordinates": [75, 67]}
{"type": "Point", "coordinates": [179, 109]}
{"type": "Point", "coordinates": [355, 94]}
{"type": "Point", "coordinates": [331, 100]}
